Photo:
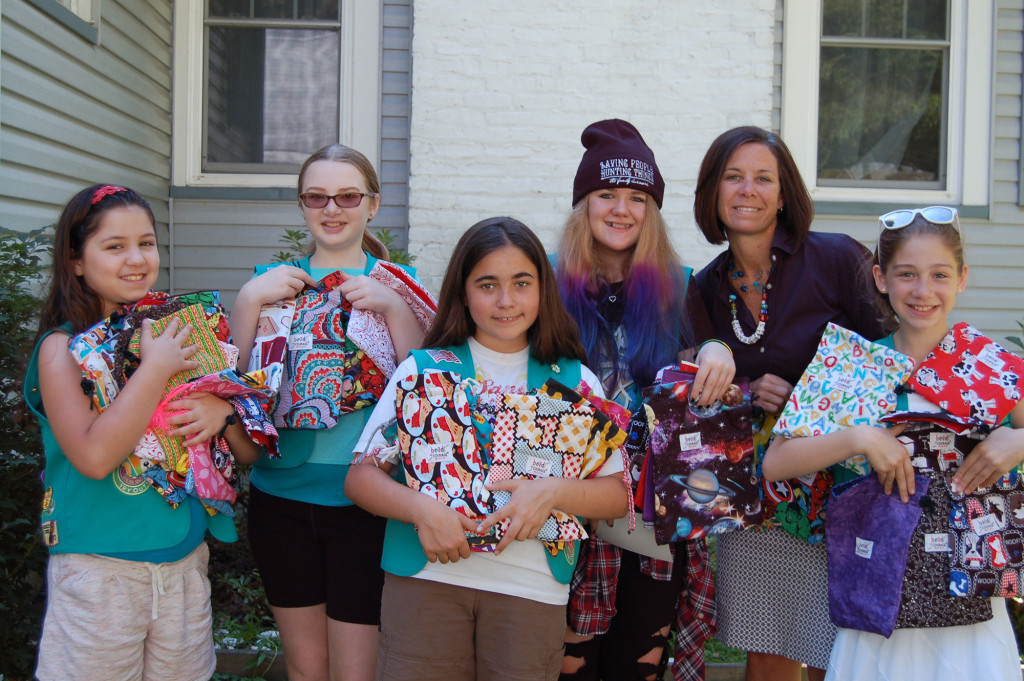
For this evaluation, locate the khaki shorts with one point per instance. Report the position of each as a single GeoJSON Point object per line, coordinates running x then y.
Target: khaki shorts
{"type": "Point", "coordinates": [120, 620]}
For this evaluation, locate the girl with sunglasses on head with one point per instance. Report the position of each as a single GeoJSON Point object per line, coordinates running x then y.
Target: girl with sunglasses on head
{"type": "Point", "coordinates": [318, 554]}
{"type": "Point", "coordinates": [770, 295]}
{"type": "Point", "coordinates": [127, 590]}
{"type": "Point", "coordinates": [918, 271]}
{"type": "Point", "coordinates": [638, 310]}
{"type": "Point", "coordinates": [450, 613]}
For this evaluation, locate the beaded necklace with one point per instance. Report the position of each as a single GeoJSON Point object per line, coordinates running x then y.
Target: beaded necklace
{"type": "Point", "coordinates": [762, 316]}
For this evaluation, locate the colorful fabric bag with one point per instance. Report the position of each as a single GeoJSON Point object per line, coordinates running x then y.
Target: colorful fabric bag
{"type": "Point", "coordinates": [326, 375]}
{"type": "Point", "coordinates": [440, 440]}
{"type": "Point", "coordinates": [925, 600]}
{"type": "Point", "coordinates": [868, 540]}
{"type": "Point", "coordinates": [970, 376]}
{"type": "Point", "coordinates": [701, 459]}
{"type": "Point", "coordinates": [851, 381]}
{"type": "Point", "coordinates": [538, 435]}
{"type": "Point", "coordinates": [798, 505]}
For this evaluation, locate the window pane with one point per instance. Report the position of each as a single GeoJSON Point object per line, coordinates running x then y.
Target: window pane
{"type": "Point", "coordinates": [881, 116]}
{"type": "Point", "coordinates": [272, 96]}
{"type": "Point", "coordinates": [275, 9]}
{"type": "Point", "coordinates": [914, 19]}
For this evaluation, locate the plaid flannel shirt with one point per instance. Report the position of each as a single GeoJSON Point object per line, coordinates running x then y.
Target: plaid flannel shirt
{"type": "Point", "coordinates": [594, 586]}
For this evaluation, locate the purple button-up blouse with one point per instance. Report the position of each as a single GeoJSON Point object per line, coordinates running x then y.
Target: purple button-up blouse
{"type": "Point", "coordinates": [826, 280]}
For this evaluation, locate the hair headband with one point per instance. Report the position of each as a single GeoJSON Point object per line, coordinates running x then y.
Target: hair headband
{"type": "Point", "coordinates": [105, 191]}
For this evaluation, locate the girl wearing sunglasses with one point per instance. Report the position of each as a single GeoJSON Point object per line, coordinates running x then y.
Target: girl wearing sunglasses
{"type": "Point", "coordinates": [919, 271]}
{"type": "Point", "coordinates": [318, 554]}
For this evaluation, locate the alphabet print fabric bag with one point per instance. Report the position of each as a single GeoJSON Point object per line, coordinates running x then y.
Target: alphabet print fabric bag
{"type": "Point", "coordinates": [851, 381]}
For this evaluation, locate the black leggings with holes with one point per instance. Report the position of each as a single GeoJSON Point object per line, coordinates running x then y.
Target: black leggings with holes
{"type": "Point", "coordinates": [644, 607]}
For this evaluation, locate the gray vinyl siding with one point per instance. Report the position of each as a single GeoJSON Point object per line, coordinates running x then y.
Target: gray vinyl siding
{"type": "Point", "coordinates": [217, 242]}
{"type": "Point", "coordinates": [994, 299]}
{"type": "Point", "coordinates": [74, 112]}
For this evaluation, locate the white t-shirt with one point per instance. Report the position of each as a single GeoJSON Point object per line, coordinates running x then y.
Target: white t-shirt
{"type": "Point", "coordinates": [522, 568]}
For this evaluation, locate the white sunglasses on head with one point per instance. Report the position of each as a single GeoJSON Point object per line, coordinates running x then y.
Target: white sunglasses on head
{"type": "Point", "coordinates": [937, 215]}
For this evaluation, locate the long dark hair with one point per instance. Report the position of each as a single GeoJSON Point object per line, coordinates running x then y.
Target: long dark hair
{"type": "Point", "coordinates": [798, 208]}
{"type": "Point", "coordinates": [70, 300]}
{"type": "Point", "coordinates": [552, 336]}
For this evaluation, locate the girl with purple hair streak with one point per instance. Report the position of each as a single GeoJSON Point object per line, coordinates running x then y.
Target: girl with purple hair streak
{"type": "Point", "coordinates": [637, 310]}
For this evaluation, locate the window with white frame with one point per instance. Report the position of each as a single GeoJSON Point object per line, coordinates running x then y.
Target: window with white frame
{"type": "Point", "coordinates": [260, 84]}
{"type": "Point", "coordinates": [889, 99]}
{"type": "Point", "coordinates": [86, 10]}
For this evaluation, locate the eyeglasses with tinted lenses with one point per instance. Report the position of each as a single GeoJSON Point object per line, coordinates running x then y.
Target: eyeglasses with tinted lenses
{"type": "Point", "coordinates": [937, 215]}
{"type": "Point", "coordinates": [344, 200]}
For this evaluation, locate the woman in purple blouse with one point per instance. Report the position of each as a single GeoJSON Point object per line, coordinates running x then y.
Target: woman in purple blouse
{"type": "Point", "coordinates": [770, 296]}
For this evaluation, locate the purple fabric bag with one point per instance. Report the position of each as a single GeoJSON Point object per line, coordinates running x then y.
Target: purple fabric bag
{"type": "Point", "coordinates": [867, 537]}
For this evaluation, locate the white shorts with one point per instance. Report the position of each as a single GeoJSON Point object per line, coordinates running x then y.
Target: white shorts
{"type": "Point", "coordinates": [120, 620]}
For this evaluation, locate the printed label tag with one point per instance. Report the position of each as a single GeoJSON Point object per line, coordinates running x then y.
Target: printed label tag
{"type": "Point", "coordinates": [864, 547]}
{"type": "Point", "coordinates": [940, 442]}
{"type": "Point", "coordinates": [537, 467]}
{"type": "Point", "coordinates": [808, 479]}
{"type": "Point", "coordinates": [439, 452]}
{"type": "Point", "coordinates": [300, 341]}
{"type": "Point", "coordinates": [936, 543]}
{"type": "Point", "coordinates": [844, 382]}
{"type": "Point", "coordinates": [986, 524]}
{"type": "Point", "coordinates": [989, 356]}
{"type": "Point", "coordinates": [688, 441]}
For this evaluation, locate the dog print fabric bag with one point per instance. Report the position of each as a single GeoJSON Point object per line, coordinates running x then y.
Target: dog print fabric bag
{"type": "Point", "coordinates": [971, 377]}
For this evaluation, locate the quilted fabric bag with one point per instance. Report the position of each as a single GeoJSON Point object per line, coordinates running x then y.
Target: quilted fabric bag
{"type": "Point", "coordinates": [537, 435]}
{"type": "Point", "coordinates": [970, 376]}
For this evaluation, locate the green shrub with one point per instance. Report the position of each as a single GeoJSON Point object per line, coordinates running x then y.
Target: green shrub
{"type": "Point", "coordinates": [22, 555]}
{"type": "Point", "coordinates": [293, 242]}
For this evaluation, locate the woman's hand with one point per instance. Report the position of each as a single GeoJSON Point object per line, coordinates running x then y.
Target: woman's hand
{"type": "Point", "coordinates": [166, 354]}
{"type": "Point", "coordinates": [442, 532]}
{"type": "Point", "coordinates": [369, 294]}
{"type": "Point", "coordinates": [714, 375]}
{"type": "Point", "coordinates": [283, 282]}
{"type": "Point", "coordinates": [990, 459]}
{"type": "Point", "coordinates": [528, 509]}
{"type": "Point", "coordinates": [199, 417]}
{"type": "Point", "coordinates": [770, 393]}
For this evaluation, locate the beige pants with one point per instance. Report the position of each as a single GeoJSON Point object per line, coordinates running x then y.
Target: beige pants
{"type": "Point", "coordinates": [120, 620]}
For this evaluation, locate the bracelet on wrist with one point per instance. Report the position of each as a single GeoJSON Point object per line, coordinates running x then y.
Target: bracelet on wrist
{"type": "Point", "coordinates": [229, 420]}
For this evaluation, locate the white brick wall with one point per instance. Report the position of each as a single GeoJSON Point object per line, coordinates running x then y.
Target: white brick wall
{"type": "Point", "coordinates": [502, 90]}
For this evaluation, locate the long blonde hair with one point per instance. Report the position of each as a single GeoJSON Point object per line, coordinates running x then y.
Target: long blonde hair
{"type": "Point", "coordinates": [654, 321]}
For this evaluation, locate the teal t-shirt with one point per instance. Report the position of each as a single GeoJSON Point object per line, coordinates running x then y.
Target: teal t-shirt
{"type": "Point", "coordinates": [196, 534]}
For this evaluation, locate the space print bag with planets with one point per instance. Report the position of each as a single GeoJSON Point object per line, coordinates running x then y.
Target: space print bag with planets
{"type": "Point", "coordinates": [441, 440]}
{"type": "Point", "coordinates": [701, 461]}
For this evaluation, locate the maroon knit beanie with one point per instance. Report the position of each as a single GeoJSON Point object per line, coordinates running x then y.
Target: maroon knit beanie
{"type": "Point", "coordinates": [616, 156]}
